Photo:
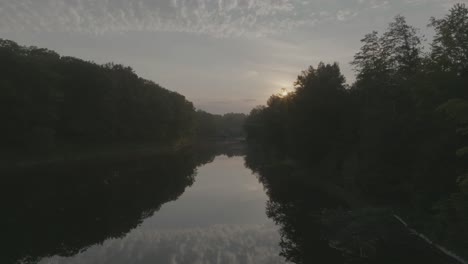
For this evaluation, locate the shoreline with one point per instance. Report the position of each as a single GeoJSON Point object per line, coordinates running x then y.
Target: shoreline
{"type": "Point", "coordinates": [89, 154]}
{"type": "Point", "coordinates": [111, 152]}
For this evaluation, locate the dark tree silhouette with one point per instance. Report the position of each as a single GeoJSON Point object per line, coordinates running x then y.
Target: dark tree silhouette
{"type": "Point", "coordinates": [396, 137]}
{"type": "Point", "coordinates": [48, 100]}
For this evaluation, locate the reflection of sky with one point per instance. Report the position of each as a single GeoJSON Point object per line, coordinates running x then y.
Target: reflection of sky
{"type": "Point", "coordinates": [224, 193]}
{"type": "Point", "coordinates": [220, 219]}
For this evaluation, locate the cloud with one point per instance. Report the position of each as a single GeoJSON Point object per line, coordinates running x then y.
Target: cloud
{"type": "Point", "coordinates": [375, 4]}
{"type": "Point", "coordinates": [344, 15]}
{"type": "Point", "coordinates": [218, 18]}
{"type": "Point", "coordinates": [252, 74]}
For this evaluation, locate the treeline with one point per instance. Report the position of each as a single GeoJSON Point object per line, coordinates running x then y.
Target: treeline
{"type": "Point", "coordinates": [219, 127]}
{"type": "Point", "coordinates": [397, 135]}
{"type": "Point", "coordinates": [48, 100]}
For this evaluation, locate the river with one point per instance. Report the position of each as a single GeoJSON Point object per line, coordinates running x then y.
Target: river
{"type": "Point", "coordinates": [217, 216]}
{"type": "Point", "coordinates": [203, 205]}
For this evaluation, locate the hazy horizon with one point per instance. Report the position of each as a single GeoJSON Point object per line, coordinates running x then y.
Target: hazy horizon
{"type": "Point", "coordinates": [225, 56]}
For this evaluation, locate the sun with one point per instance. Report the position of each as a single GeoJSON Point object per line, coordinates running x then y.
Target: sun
{"type": "Point", "coordinates": [284, 92]}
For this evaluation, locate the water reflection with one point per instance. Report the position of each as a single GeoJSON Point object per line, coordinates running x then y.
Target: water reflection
{"type": "Point", "coordinates": [320, 222]}
{"type": "Point", "coordinates": [229, 244]}
{"type": "Point", "coordinates": [59, 210]}
{"type": "Point", "coordinates": [225, 193]}
{"type": "Point", "coordinates": [104, 212]}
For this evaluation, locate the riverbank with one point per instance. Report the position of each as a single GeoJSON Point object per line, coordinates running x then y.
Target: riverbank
{"type": "Point", "coordinates": [397, 229]}
{"type": "Point", "coordinates": [115, 152]}
{"type": "Point", "coordinates": [79, 154]}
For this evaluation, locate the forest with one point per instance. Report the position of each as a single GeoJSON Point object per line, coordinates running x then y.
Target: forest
{"type": "Point", "coordinates": [397, 138]}
{"type": "Point", "coordinates": [51, 102]}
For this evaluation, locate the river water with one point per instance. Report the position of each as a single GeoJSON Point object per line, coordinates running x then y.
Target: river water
{"type": "Point", "coordinates": [193, 206]}
{"type": "Point", "coordinates": [217, 216]}
{"type": "Point", "coordinates": [220, 219]}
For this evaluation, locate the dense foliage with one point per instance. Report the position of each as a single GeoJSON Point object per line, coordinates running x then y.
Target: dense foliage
{"type": "Point", "coordinates": [397, 136]}
{"type": "Point", "coordinates": [50, 101]}
{"type": "Point", "coordinates": [218, 127]}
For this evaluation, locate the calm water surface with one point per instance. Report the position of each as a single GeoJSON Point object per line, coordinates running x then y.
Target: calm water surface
{"type": "Point", "coordinates": [194, 206]}
{"type": "Point", "coordinates": [219, 219]}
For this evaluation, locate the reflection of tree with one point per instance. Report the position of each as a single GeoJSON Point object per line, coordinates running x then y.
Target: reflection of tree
{"type": "Point", "coordinates": [295, 207]}
{"type": "Point", "coordinates": [318, 225]}
{"type": "Point", "coordinates": [64, 209]}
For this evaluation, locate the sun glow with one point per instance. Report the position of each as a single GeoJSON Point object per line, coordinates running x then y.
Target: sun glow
{"type": "Point", "coordinates": [284, 92]}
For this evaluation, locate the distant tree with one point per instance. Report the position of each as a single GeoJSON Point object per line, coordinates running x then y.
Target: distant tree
{"type": "Point", "coordinates": [227, 126]}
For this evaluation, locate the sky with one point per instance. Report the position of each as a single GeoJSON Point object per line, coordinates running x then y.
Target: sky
{"type": "Point", "coordinates": [223, 55]}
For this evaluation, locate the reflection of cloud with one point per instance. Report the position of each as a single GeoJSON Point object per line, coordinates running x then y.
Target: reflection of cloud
{"type": "Point", "coordinates": [217, 244]}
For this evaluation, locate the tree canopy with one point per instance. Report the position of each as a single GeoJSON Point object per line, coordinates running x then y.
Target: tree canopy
{"type": "Point", "coordinates": [48, 100]}
{"type": "Point", "coordinates": [397, 135]}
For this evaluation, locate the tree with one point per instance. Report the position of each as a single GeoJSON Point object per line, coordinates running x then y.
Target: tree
{"type": "Point", "coordinates": [402, 46]}
{"type": "Point", "coordinates": [457, 109]}
{"type": "Point", "coordinates": [371, 61]}
{"type": "Point", "coordinates": [450, 44]}
{"type": "Point", "coordinates": [397, 53]}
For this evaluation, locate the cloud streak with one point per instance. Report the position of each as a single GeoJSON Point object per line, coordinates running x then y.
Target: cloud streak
{"type": "Point", "coordinates": [218, 18]}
